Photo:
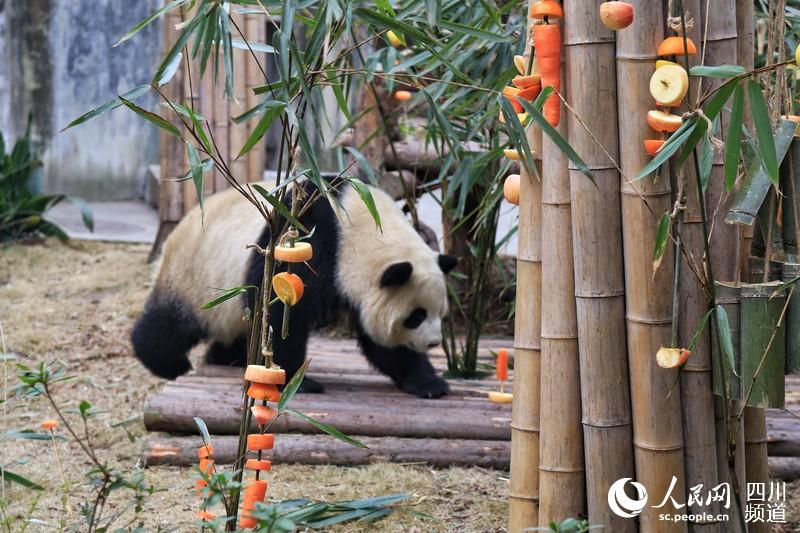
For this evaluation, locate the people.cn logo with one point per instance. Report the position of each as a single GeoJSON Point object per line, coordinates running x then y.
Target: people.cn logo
{"type": "Point", "coordinates": [621, 504]}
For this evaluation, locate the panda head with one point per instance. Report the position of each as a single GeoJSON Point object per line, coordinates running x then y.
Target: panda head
{"type": "Point", "coordinates": [410, 300]}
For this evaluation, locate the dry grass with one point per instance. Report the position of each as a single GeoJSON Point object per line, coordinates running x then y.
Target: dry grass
{"type": "Point", "coordinates": [76, 304]}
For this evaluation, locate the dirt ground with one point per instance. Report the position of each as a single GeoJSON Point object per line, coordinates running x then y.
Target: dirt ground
{"type": "Point", "coordinates": [75, 305]}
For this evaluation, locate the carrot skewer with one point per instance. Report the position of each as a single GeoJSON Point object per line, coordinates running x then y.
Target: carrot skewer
{"type": "Point", "coordinates": [547, 41]}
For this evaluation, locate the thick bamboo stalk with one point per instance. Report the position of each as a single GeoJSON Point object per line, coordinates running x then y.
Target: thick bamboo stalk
{"type": "Point", "coordinates": [745, 53]}
{"type": "Point", "coordinates": [238, 132]}
{"type": "Point", "coordinates": [524, 476]}
{"type": "Point", "coordinates": [325, 450]}
{"type": "Point", "coordinates": [207, 111]}
{"type": "Point", "coordinates": [221, 130]}
{"type": "Point", "coordinates": [169, 196]}
{"type": "Point", "coordinates": [255, 30]}
{"type": "Point", "coordinates": [192, 98]}
{"type": "Point", "coordinates": [561, 468]}
{"type": "Point", "coordinates": [657, 427]}
{"type": "Point", "coordinates": [599, 281]}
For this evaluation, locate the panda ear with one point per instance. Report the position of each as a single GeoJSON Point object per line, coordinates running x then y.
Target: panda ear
{"type": "Point", "coordinates": [447, 262]}
{"type": "Point", "coordinates": [396, 274]}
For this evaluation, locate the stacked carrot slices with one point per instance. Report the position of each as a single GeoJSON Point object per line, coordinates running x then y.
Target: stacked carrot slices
{"type": "Point", "coordinates": [205, 455]}
{"type": "Point", "coordinates": [668, 86]}
{"type": "Point", "coordinates": [263, 387]}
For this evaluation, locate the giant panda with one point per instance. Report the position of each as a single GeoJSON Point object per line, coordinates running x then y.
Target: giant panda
{"type": "Point", "coordinates": [389, 278]}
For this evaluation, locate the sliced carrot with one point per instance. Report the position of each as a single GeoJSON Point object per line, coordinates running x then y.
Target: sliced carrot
{"type": "Point", "coordinates": [511, 93]}
{"type": "Point", "coordinates": [403, 96]}
{"type": "Point", "coordinates": [261, 374]}
{"type": "Point", "coordinates": [299, 253]}
{"type": "Point", "coordinates": [254, 493]}
{"type": "Point", "coordinates": [547, 40]}
{"type": "Point", "coordinates": [205, 451]}
{"type": "Point", "coordinates": [49, 424]}
{"type": "Point", "coordinates": [530, 93]}
{"type": "Point", "coordinates": [545, 9]}
{"type": "Point", "coordinates": [206, 465]}
{"type": "Point", "coordinates": [288, 287]}
{"type": "Point", "coordinates": [260, 441]}
{"type": "Point", "coordinates": [261, 391]}
{"type": "Point", "coordinates": [502, 364]}
{"type": "Point", "coordinates": [263, 414]}
{"type": "Point", "coordinates": [500, 397]}
{"type": "Point", "coordinates": [523, 82]}
{"type": "Point", "coordinates": [199, 484]}
{"type": "Point", "coordinates": [205, 515]}
{"type": "Point", "coordinates": [255, 464]}
{"type": "Point", "coordinates": [673, 46]}
{"type": "Point", "coordinates": [652, 146]}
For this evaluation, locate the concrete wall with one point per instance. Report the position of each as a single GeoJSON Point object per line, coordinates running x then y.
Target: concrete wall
{"type": "Point", "coordinates": [56, 62]}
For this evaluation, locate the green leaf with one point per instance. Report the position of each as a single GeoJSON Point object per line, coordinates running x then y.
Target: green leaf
{"type": "Point", "coordinates": [273, 109]}
{"type": "Point", "coordinates": [766, 142]}
{"type": "Point", "coordinates": [291, 388]}
{"type": "Point", "coordinates": [725, 336]}
{"type": "Point", "coordinates": [228, 294]}
{"type": "Point", "coordinates": [366, 197]}
{"type": "Point", "coordinates": [108, 106]}
{"type": "Point", "coordinates": [363, 163]}
{"type": "Point", "coordinates": [473, 31]}
{"type": "Point", "coordinates": [196, 168]}
{"type": "Point", "coordinates": [180, 42]}
{"type": "Point", "coordinates": [377, 501]}
{"type": "Point", "coordinates": [330, 430]}
{"type": "Point", "coordinates": [711, 110]}
{"type": "Point", "coordinates": [200, 131]}
{"type": "Point", "coordinates": [279, 206]}
{"type": "Point", "coordinates": [150, 18]}
{"type": "Point", "coordinates": [86, 211]}
{"type": "Point", "coordinates": [734, 141]}
{"type": "Point", "coordinates": [706, 163]}
{"type": "Point", "coordinates": [662, 238]}
{"type": "Point", "coordinates": [19, 480]}
{"type": "Point", "coordinates": [556, 137]}
{"type": "Point", "coordinates": [27, 434]}
{"type": "Point", "coordinates": [518, 137]}
{"type": "Point", "coordinates": [338, 518]}
{"type": "Point", "coordinates": [674, 142]}
{"type": "Point", "coordinates": [201, 424]}
{"type": "Point", "coordinates": [256, 47]}
{"type": "Point", "coordinates": [152, 117]}
{"type": "Point", "coordinates": [385, 21]}
{"type": "Point", "coordinates": [721, 71]}
{"type": "Point", "coordinates": [699, 330]}
{"type": "Point", "coordinates": [169, 70]}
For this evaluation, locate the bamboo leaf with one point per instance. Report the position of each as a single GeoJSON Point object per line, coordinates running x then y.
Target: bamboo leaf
{"type": "Point", "coordinates": [377, 501]}
{"type": "Point", "coordinates": [384, 21]}
{"type": "Point", "coordinates": [196, 168]}
{"type": "Point", "coordinates": [201, 424]}
{"type": "Point", "coordinates": [518, 137]}
{"type": "Point", "coordinates": [720, 71]}
{"type": "Point", "coordinates": [86, 211]}
{"type": "Point", "coordinates": [675, 141]}
{"type": "Point", "coordinates": [699, 330]}
{"type": "Point", "coordinates": [662, 238]}
{"type": "Point", "coordinates": [725, 336]}
{"type": "Point", "coordinates": [180, 42]}
{"type": "Point", "coordinates": [734, 141]}
{"type": "Point", "coordinates": [294, 384]}
{"type": "Point", "coordinates": [330, 430]}
{"type": "Point", "coordinates": [556, 137]}
{"type": "Point", "coordinates": [150, 18]}
{"type": "Point", "coordinates": [19, 480]}
{"type": "Point", "coordinates": [201, 132]}
{"type": "Point", "coordinates": [473, 31]}
{"type": "Point", "coordinates": [273, 109]}
{"type": "Point", "coordinates": [366, 197]}
{"type": "Point", "coordinates": [108, 106]}
{"type": "Point", "coordinates": [363, 163]}
{"type": "Point", "coordinates": [706, 163]}
{"type": "Point", "coordinates": [766, 142]}
{"type": "Point", "coordinates": [279, 206]}
{"type": "Point", "coordinates": [711, 110]}
{"type": "Point", "coordinates": [169, 70]}
{"type": "Point", "coordinates": [152, 117]}
{"type": "Point", "coordinates": [228, 294]}
{"type": "Point", "coordinates": [252, 45]}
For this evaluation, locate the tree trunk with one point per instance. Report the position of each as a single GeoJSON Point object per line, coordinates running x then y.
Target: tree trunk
{"type": "Point", "coordinates": [599, 280]}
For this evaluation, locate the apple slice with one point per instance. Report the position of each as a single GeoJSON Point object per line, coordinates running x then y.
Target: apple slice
{"type": "Point", "coordinates": [523, 82]}
{"type": "Point", "coordinates": [663, 63]}
{"type": "Point", "coordinates": [500, 397]}
{"type": "Point", "coordinates": [511, 93]}
{"type": "Point", "coordinates": [672, 357]}
{"type": "Point", "coordinates": [521, 63]}
{"type": "Point", "coordinates": [652, 146]}
{"type": "Point", "coordinates": [511, 189]}
{"type": "Point", "coordinates": [663, 122]}
{"type": "Point", "coordinates": [616, 15]}
{"type": "Point", "coordinates": [669, 85]}
{"type": "Point", "coordinates": [511, 154]}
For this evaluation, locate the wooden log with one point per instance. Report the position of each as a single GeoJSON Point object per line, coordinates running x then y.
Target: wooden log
{"type": "Point", "coordinates": [599, 283]}
{"type": "Point", "coordinates": [785, 468]}
{"type": "Point", "coordinates": [175, 412]}
{"type": "Point", "coordinates": [562, 486]}
{"type": "Point", "coordinates": [325, 450]}
{"type": "Point", "coordinates": [656, 406]}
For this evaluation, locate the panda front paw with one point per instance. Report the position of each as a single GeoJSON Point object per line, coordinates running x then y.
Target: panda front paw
{"type": "Point", "coordinates": [434, 387]}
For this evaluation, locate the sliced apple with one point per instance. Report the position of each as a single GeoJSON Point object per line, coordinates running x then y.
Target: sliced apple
{"type": "Point", "coordinates": [500, 397]}
{"type": "Point", "coordinates": [521, 63]}
{"type": "Point", "coordinates": [511, 189]}
{"type": "Point", "coordinates": [523, 82]}
{"type": "Point", "coordinates": [669, 85]}
{"type": "Point", "coordinates": [663, 63]}
{"type": "Point", "coordinates": [672, 357]}
{"type": "Point", "coordinates": [663, 122]}
{"type": "Point", "coordinates": [616, 15]}
{"type": "Point", "coordinates": [652, 146]}
{"type": "Point", "coordinates": [511, 154]}
{"type": "Point", "coordinates": [393, 39]}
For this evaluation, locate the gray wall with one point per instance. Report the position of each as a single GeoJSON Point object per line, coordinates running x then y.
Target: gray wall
{"type": "Point", "coordinates": [56, 62]}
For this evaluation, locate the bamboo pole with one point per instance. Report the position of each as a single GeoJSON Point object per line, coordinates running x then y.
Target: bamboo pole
{"type": "Point", "coordinates": [207, 111]}
{"type": "Point", "coordinates": [657, 428]}
{"type": "Point", "coordinates": [169, 194]}
{"type": "Point", "coordinates": [255, 30]}
{"type": "Point", "coordinates": [221, 130]}
{"type": "Point", "coordinates": [238, 132]}
{"type": "Point", "coordinates": [561, 468]}
{"type": "Point", "coordinates": [745, 53]}
{"type": "Point", "coordinates": [524, 477]}
{"type": "Point", "coordinates": [599, 280]}
{"type": "Point", "coordinates": [192, 98]}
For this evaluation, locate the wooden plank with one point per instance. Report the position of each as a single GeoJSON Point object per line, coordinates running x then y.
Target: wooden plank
{"type": "Point", "coordinates": [324, 450]}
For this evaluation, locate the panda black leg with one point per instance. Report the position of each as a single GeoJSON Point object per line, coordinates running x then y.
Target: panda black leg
{"type": "Point", "coordinates": [290, 353]}
{"type": "Point", "coordinates": [233, 354]}
{"type": "Point", "coordinates": [411, 371]}
{"type": "Point", "coordinates": [164, 334]}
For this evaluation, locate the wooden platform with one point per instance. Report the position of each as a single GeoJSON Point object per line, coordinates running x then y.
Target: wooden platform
{"type": "Point", "coordinates": [462, 428]}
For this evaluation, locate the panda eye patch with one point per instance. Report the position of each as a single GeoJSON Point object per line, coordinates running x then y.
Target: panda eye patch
{"type": "Point", "coordinates": [416, 318]}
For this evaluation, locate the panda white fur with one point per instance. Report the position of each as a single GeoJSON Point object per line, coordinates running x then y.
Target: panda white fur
{"type": "Point", "coordinates": [390, 279]}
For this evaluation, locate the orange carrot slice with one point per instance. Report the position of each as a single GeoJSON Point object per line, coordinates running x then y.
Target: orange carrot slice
{"type": "Point", "coordinates": [206, 465]}
{"type": "Point", "coordinates": [545, 9]}
{"type": "Point", "coordinates": [530, 93]}
{"type": "Point", "coordinates": [205, 451]}
{"type": "Point", "coordinates": [199, 484]}
{"type": "Point", "coordinates": [288, 287]}
{"type": "Point", "coordinates": [500, 397]}
{"type": "Point", "coordinates": [261, 391]}
{"type": "Point", "coordinates": [255, 464]}
{"type": "Point", "coordinates": [254, 493]}
{"type": "Point", "coordinates": [403, 96]}
{"type": "Point", "coordinates": [502, 364]}
{"type": "Point", "coordinates": [261, 374]}
{"type": "Point", "coordinates": [49, 424]}
{"type": "Point", "coordinates": [299, 253]}
{"type": "Point", "coordinates": [523, 82]}
{"type": "Point", "coordinates": [673, 46]}
{"type": "Point", "coordinates": [260, 441]}
{"type": "Point", "coordinates": [652, 146]}
{"type": "Point", "coordinates": [547, 40]}
{"type": "Point", "coordinates": [511, 93]}
{"type": "Point", "coordinates": [205, 515]}
{"type": "Point", "coordinates": [263, 414]}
